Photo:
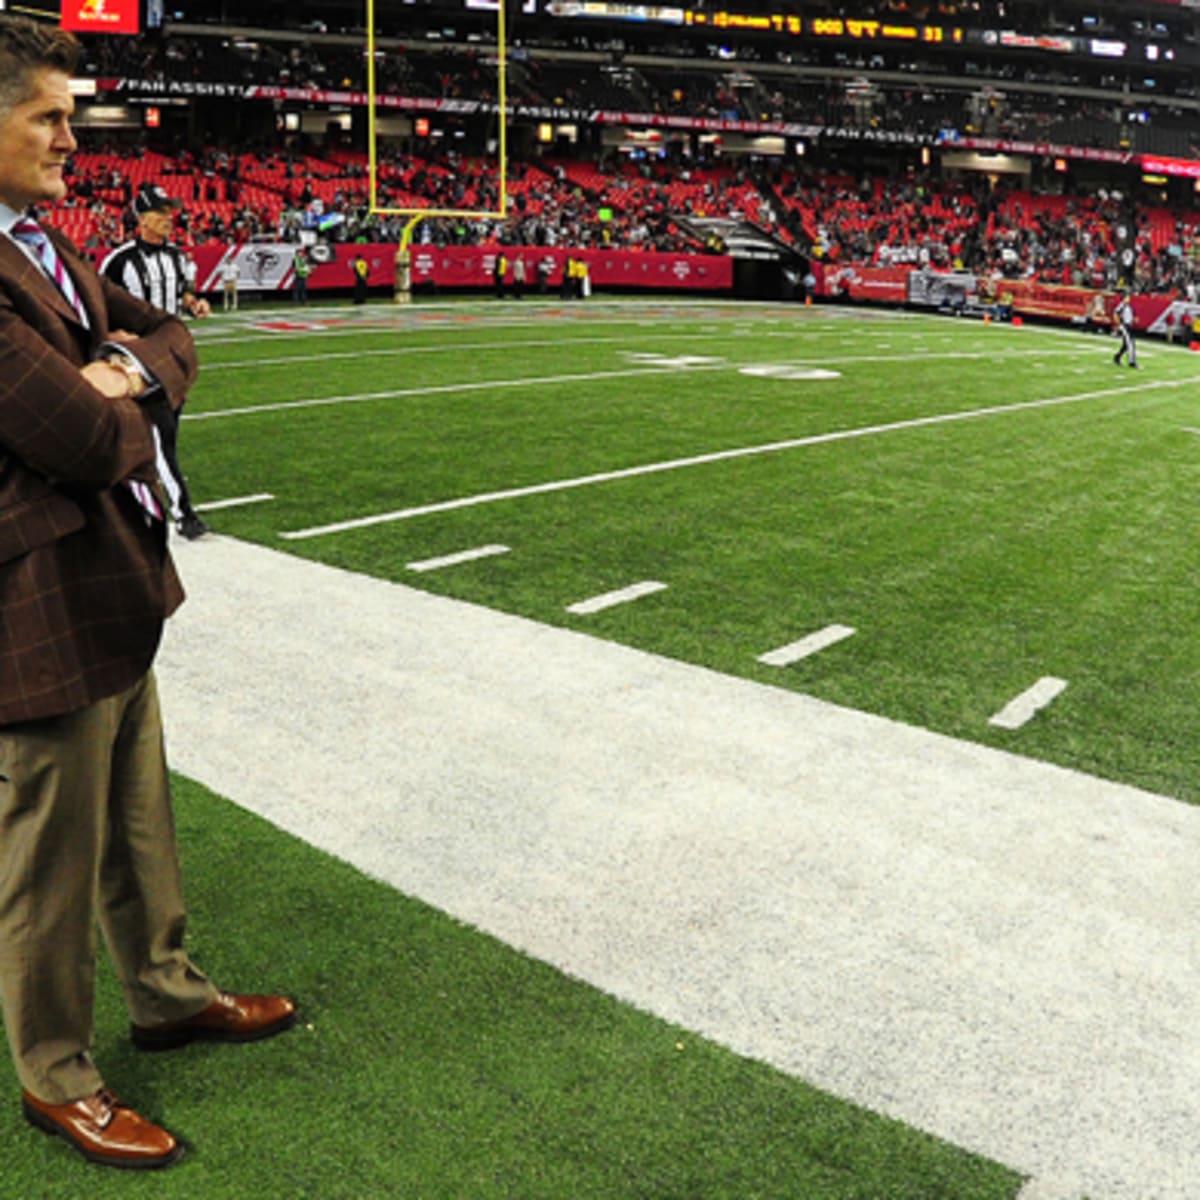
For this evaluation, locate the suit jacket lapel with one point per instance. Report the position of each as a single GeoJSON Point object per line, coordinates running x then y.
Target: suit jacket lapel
{"type": "Point", "coordinates": [31, 278]}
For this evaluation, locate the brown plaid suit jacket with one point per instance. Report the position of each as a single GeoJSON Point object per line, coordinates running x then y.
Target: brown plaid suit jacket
{"type": "Point", "coordinates": [85, 581]}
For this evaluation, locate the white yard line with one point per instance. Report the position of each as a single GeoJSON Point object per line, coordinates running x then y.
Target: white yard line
{"type": "Point", "coordinates": [234, 502]}
{"type": "Point", "coordinates": [454, 560]}
{"type": "Point", "coordinates": [1021, 709]}
{"type": "Point", "coordinates": [697, 460]}
{"type": "Point", "coordinates": [565, 341]}
{"type": "Point", "coordinates": [446, 389]}
{"type": "Point", "coordinates": [814, 643]}
{"type": "Point", "coordinates": [991, 949]}
{"type": "Point", "coordinates": [451, 348]}
{"type": "Point", "coordinates": [388, 322]}
{"type": "Point", "coordinates": [635, 591]}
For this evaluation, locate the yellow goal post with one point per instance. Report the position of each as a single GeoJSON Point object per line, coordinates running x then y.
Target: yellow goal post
{"type": "Point", "coordinates": [418, 214]}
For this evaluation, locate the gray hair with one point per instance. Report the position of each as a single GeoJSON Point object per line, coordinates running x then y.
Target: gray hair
{"type": "Point", "coordinates": [25, 47]}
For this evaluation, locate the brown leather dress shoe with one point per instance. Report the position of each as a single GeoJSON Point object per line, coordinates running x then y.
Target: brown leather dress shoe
{"type": "Point", "coordinates": [227, 1019]}
{"type": "Point", "coordinates": [105, 1131]}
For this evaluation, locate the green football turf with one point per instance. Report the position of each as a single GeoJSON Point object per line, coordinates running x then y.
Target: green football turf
{"type": "Point", "coordinates": [433, 1063]}
{"type": "Point", "coordinates": [972, 557]}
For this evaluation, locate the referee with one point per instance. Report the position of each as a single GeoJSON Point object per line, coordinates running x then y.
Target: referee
{"type": "Point", "coordinates": [154, 270]}
{"type": "Point", "coordinates": [1123, 321]}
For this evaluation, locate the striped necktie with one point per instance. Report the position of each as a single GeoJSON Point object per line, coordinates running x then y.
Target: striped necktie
{"type": "Point", "coordinates": [34, 236]}
{"type": "Point", "coordinates": [144, 495]}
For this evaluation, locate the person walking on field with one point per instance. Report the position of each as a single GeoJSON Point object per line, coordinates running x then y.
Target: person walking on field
{"type": "Point", "coordinates": [154, 270]}
{"type": "Point", "coordinates": [86, 824]}
{"type": "Point", "coordinates": [1123, 321]}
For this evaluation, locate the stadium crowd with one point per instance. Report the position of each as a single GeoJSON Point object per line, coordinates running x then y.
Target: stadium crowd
{"type": "Point", "coordinates": [280, 192]}
{"type": "Point", "coordinates": [1096, 239]}
{"type": "Point", "coordinates": [240, 197]}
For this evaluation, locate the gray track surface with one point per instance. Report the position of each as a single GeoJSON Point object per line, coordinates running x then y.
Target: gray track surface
{"type": "Point", "coordinates": [995, 950]}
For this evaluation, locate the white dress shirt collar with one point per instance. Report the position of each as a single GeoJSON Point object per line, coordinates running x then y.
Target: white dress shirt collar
{"type": "Point", "coordinates": [8, 218]}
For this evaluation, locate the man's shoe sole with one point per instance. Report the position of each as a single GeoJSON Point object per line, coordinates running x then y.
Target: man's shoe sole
{"type": "Point", "coordinates": [38, 1121]}
{"type": "Point", "coordinates": [149, 1040]}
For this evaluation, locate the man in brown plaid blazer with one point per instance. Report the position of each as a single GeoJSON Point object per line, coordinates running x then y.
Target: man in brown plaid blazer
{"type": "Point", "coordinates": [86, 829]}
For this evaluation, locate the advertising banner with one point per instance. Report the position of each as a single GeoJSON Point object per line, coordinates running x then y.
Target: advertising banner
{"type": "Point", "coordinates": [991, 145]}
{"type": "Point", "coordinates": [965, 292]}
{"type": "Point", "coordinates": [1033, 299]}
{"type": "Point", "coordinates": [101, 16]}
{"type": "Point", "coordinates": [940, 289]}
{"type": "Point", "coordinates": [261, 267]}
{"type": "Point", "coordinates": [269, 267]}
{"type": "Point", "coordinates": [1172, 319]}
{"type": "Point", "coordinates": [850, 281]}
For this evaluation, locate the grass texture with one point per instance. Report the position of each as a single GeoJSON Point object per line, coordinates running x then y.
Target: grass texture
{"type": "Point", "coordinates": [973, 556]}
{"type": "Point", "coordinates": [433, 1063]}
{"type": "Point", "coordinates": [1053, 536]}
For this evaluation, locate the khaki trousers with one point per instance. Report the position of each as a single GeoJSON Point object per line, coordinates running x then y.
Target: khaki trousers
{"type": "Point", "coordinates": [87, 835]}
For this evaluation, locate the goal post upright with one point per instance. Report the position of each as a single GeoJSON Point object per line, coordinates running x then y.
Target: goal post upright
{"type": "Point", "coordinates": [372, 159]}
{"type": "Point", "coordinates": [502, 101]}
{"type": "Point", "coordinates": [497, 214]}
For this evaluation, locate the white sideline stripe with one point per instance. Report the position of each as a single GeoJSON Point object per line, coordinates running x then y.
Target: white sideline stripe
{"type": "Point", "coordinates": [241, 327]}
{"type": "Point", "coordinates": [440, 390]}
{"type": "Point", "coordinates": [994, 950]}
{"type": "Point", "coordinates": [1189, 429]}
{"type": "Point", "coordinates": [814, 642]}
{"type": "Point", "coordinates": [635, 591]}
{"type": "Point", "coordinates": [234, 502]}
{"type": "Point", "coordinates": [1045, 1188]}
{"type": "Point", "coordinates": [697, 460]}
{"type": "Point", "coordinates": [452, 560]}
{"type": "Point", "coordinates": [1022, 708]}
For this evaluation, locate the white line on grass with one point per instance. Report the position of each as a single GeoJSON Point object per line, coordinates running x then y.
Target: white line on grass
{"type": "Point", "coordinates": [445, 389]}
{"type": "Point", "coordinates": [248, 333]}
{"type": "Point", "coordinates": [812, 644]}
{"type": "Point", "coordinates": [676, 464]}
{"type": "Point", "coordinates": [449, 347]}
{"type": "Point", "coordinates": [234, 502]}
{"type": "Point", "coordinates": [566, 341]}
{"type": "Point", "coordinates": [452, 560]}
{"type": "Point", "coordinates": [1032, 700]}
{"type": "Point", "coordinates": [997, 951]}
{"type": "Point", "coordinates": [635, 591]}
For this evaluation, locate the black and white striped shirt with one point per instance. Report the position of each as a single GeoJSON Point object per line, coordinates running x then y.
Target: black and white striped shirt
{"type": "Point", "coordinates": [152, 273]}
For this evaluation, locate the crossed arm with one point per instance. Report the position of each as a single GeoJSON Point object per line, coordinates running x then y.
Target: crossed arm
{"type": "Point", "coordinates": [76, 421]}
